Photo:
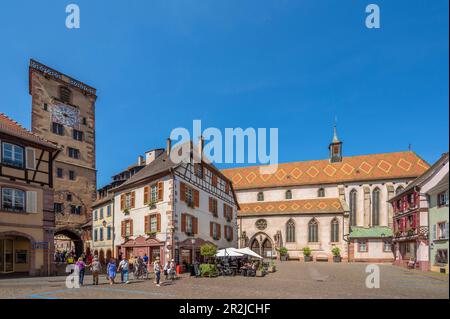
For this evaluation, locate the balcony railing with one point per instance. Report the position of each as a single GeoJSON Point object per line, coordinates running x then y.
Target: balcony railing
{"type": "Point", "coordinates": [421, 232]}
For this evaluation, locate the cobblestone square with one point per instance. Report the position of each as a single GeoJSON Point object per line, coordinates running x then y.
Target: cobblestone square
{"type": "Point", "coordinates": [292, 280]}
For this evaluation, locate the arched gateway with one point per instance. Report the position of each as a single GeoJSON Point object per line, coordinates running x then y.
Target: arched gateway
{"type": "Point", "coordinates": [73, 238]}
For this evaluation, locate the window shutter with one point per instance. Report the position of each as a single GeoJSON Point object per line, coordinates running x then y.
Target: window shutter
{"type": "Point", "coordinates": [31, 203]}
{"type": "Point", "coordinates": [210, 205]}
{"type": "Point", "coordinates": [131, 227]}
{"type": "Point", "coordinates": [147, 224]}
{"type": "Point", "coordinates": [195, 225]}
{"type": "Point", "coordinates": [214, 180]}
{"type": "Point", "coordinates": [123, 228]}
{"type": "Point", "coordinates": [30, 156]}
{"type": "Point", "coordinates": [182, 192]}
{"type": "Point", "coordinates": [183, 223]}
{"type": "Point", "coordinates": [211, 232]}
{"type": "Point", "coordinates": [231, 233]}
{"type": "Point", "coordinates": [196, 198]}
{"type": "Point", "coordinates": [160, 191]}
{"type": "Point", "coordinates": [219, 231]}
{"type": "Point", "coordinates": [132, 199]}
{"type": "Point", "coordinates": [122, 202]}
{"type": "Point", "coordinates": [227, 187]}
{"type": "Point", "coordinates": [146, 195]}
{"type": "Point", "coordinates": [158, 223]}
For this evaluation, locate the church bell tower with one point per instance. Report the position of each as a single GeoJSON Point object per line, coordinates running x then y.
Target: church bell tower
{"type": "Point", "coordinates": [335, 148]}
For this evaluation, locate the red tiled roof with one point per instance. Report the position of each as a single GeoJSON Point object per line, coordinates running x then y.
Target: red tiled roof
{"type": "Point", "coordinates": [351, 169]}
{"type": "Point", "coordinates": [303, 206]}
{"type": "Point", "coordinates": [11, 127]}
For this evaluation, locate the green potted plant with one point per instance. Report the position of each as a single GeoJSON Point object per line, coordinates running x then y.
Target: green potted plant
{"type": "Point", "coordinates": [336, 254]}
{"type": "Point", "coordinates": [208, 251]}
{"type": "Point", "coordinates": [307, 254]}
{"type": "Point", "coordinates": [283, 254]}
{"type": "Point", "coordinates": [209, 270]}
{"type": "Point", "coordinates": [151, 234]}
{"type": "Point", "coordinates": [126, 212]}
{"type": "Point", "coordinates": [272, 267]}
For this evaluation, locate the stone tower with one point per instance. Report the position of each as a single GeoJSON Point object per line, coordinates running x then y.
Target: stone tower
{"type": "Point", "coordinates": [63, 111]}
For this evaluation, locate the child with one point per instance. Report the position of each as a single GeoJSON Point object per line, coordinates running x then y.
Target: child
{"type": "Point", "coordinates": [111, 270]}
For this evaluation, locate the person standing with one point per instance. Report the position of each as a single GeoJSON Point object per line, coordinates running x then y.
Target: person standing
{"type": "Point", "coordinates": [124, 268]}
{"type": "Point", "coordinates": [172, 269]}
{"type": "Point", "coordinates": [80, 269]}
{"type": "Point", "coordinates": [96, 268]}
{"type": "Point", "coordinates": [157, 269]}
{"type": "Point", "coordinates": [111, 270]}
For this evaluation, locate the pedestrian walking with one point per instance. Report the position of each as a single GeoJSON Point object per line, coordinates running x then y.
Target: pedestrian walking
{"type": "Point", "coordinates": [157, 269]}
{"type": "Point", "coordinates": [96, 268]}
{"type": "Point", "coordinates": [166, 270]}
{"type": "Point", "coordinates": [124, 268]}
{"type": "Point", "coordinates": [80, 269]}
{"type": "Point", "coordinates": [172, 269]}
{"type": "Point", "coordinates": [111, 271]}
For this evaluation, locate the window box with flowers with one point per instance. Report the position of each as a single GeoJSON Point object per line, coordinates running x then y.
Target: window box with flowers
{"type": "Point", "coordinates": [126, 212]}
{"type": "Point", "coordinates": [151, 234]}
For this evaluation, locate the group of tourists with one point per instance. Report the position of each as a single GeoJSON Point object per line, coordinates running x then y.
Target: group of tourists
{"type": "Point", "coordinates": [138, 265]}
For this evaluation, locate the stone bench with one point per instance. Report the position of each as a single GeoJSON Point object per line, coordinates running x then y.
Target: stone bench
{"type": "Point", "coordinates": [321, 258]}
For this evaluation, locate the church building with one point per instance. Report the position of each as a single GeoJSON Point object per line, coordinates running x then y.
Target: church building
{"type": "Point", "coordinates": [321, 204]}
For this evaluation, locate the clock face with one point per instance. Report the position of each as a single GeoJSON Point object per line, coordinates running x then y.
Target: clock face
{"type": "Point", "coordinates": [65, 115]}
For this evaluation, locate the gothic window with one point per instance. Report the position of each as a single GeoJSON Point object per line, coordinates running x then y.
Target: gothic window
{"type": "Point", "coordinates": [313, 231]}
{"type": "Point", "coordinates": [353, 206]}
{"type": "Point", "coordinates": [260, 197]}
{"type": "Point", "coordinates": [288, 194]}
{"type": "Point", "coordinates": [376, 207]}
{"type": "Point", "coordinates": [334, 230]}
{"type": "Point", "coordinates": [290, 231]}
{"type": "Point", "coordinates": [321, 192]}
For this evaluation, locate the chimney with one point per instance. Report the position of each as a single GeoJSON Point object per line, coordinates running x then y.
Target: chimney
{"type": "Point", "coordinates": [168, 146]}
{"type": "Point", "coordinates": [150, 156]}
{"type": "Point", "coordinates": [140, 160]}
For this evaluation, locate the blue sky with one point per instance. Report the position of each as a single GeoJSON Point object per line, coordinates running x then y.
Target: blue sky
{"type": "Point", "coordinates": [294, 65]}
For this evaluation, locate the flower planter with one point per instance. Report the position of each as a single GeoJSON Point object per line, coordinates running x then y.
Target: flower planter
{"type": "Point", "coordinates": [308, 258]}
{"type": "Point", "coordinates": [283, 257]}
{"type": "Point", "coordinates": [337, 259]}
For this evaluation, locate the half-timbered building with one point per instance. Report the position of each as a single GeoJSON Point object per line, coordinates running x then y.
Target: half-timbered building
{"type": "Point", "coordinates": [169, 210]}
{"type": "Point", "coordinates": [27, 221]}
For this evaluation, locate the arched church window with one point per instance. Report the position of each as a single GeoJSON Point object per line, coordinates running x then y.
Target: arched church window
{"type": "Point", "coordinates": [313, 231]}
{"type": "Point", "coordinates": [288, 194]}
{"type": "Point", "coordinates": [321, 192]}
{"type": "Point", "coordinates": [353, 206]}
{"type": "Point", "coordinates": [334, 230]}
{"type": "Point", "coordinates": [260, 197]}
{"type": "Point", "coordinates": [376, 207]}
{"type": "Point", "coordinates": [290, 231]}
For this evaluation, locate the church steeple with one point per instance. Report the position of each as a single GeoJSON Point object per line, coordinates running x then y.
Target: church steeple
{"type": "Point", "coordinates": [335, 147]}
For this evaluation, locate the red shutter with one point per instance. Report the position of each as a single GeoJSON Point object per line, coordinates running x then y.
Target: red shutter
{"type": "Point", "coordinates": [183, 223]}
{"type": "Point", "coordinates": [160, 191]}
{"type": "Point", "coordinates": [131, 227]}
{"type": "Point", "coordinates": [414, 221]}
{"type": "Point", "coordinates": [132, 199]}
{"type": "Point", "coordinates": [195, 225]}
{"type": "Point", "coordinates": [122, 202]}
{"type": "Point", "coordinates": [158, 223]}
{"type": "Point", "coordinates": [123, 228]}
{"type": "Point", "coordinates": [182, 192]}
{"type": "Point", "coordinates": [227, 187]}
{"type": "Point", "coordinates": [416, 198]}
{"type": "Point", "coordinates": [211, 232]}
{"type": "Point", "coordinates": [196, 198]}
{"type": "Point", "coordinates": [210, 205]}
{"type": "Point", "coordinates": [219, 231]}
{"type": "Point", "coordinates": [147, 224]}
{"type": "Point", "coordinates": [214, 180]}
{"type": "Point", "coordinates": [146, 195]}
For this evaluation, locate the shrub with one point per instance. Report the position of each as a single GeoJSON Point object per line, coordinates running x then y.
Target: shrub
{"type": "Point", "coordinates": [208, 250]}
{"type": "Point", "coordinates": [336, 251]}
{"type": "Point", "coordinates": [306, 251]}
{"type": "Point", "coordinates": [208, 270]}
{"type": "Point", "coordinates": [283, 251]}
